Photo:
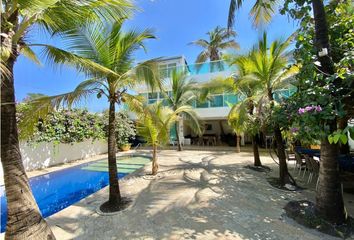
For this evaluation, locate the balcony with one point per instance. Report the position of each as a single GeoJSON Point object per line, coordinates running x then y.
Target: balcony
{"type": "Point", "coordinates": [196, 69]}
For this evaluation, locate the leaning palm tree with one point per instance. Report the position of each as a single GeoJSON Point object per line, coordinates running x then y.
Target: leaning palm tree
{"type": "Point", "coordinates": [183, 93]}
{"type": "Point", "coordinates": [268, 64]}
{"type": "Point", "coordinates": [219, 40]}
{"type": "Point", "coordinates": [104, 53]}
{"type": "Point", "coordinates": [329, 199]}
{"type": "Point", "coordinates": [154, 125]}
{"type": "Point", "coordinates": [24, 220]}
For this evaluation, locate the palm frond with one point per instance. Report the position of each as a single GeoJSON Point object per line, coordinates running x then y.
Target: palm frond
{"type": "Point", "coordinates": [134, 103]}
{"type": "Point", "coordinates": [28, 52]}
{"type": "Point", "coordinates": [41, 106]}
{"type": "Point", "coordinates": [66, 14]}
{"type": "Point", "coordinates": [58, 56]}
{"type": "Point", "coordinates": [234, 6]}
{"type": "Point", "coordinates": [263, 11]}
{"type": "Point", "coordinates": [192, 118]}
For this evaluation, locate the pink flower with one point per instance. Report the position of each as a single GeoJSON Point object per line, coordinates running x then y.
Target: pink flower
{"type": "Point", "coordinates": [318, 108]}
{"type": "Point", "coordinates": [308, 108]}
{"type": "Point", "coordinates": [301, 111]}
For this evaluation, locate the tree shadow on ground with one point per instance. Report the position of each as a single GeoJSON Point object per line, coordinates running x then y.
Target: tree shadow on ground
{"type": "Point", "coordinates": [209, 199]}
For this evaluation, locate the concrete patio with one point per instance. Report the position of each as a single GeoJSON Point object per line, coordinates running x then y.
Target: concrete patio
{"type": "Point", "coordinates": [196, 195]}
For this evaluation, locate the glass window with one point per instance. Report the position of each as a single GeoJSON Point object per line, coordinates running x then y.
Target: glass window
{"type": "Point", "coordinates": [230, 99]}
{"type": "Point", "coordinates": [216, 101]}
{"type": "Point", "coordinates": [152, 95]}
{"type": "Point", "coordinates": [152, 101]}
{"type": "Point", "coordinates": [202, 104]}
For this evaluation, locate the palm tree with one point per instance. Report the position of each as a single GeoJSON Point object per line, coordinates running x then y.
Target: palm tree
{"type": "Point", "coordinates": [243, 113]}
{"type": "Point", "coordinates": [261, 12]}
{"type": "Point", "coordinates": [241, 116]}
{"type": "Point", "coordinates": [24, 220]}
{"type": "Point", "coordinates": [183, 93]}
{"type": "Point", "coordinates": [267, 64]}
{"type": "Point", "coordinates": [104, 53]}
{"type": "Point", "coordinates": [154, 125]}
{"type": "Point", "coordinates": [219, 40]}
{"type": "Point", "coordinates": [329, 196]}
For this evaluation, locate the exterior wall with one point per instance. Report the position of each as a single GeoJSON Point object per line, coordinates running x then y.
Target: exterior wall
{"type": "Point", "coordinates": [213, 113]}
{"type": "Point", "coordinates": [44, 155]}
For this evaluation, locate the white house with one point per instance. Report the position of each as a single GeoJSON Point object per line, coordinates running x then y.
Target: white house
{"type": "Point", "coordinates": [213, 112]}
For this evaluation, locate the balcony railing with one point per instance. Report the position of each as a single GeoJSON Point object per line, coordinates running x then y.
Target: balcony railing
{"type": "Point", "coordinates": [198, 68]}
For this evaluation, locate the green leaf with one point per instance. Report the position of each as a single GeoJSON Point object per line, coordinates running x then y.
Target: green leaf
{"type": "Point", "coordinates": [336, 138]}
{"type": "Point", "coordinates": [330, 139]}
{"type": "Point", "coordinates": [343, 138]}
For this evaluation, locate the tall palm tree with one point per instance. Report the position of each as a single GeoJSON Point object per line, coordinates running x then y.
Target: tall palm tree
{"type": "Point", "coordinates": [24, 220]}
{"type": "Point", "coordinates": [183, 93]}
{"type": "Point", "coordinates": [154, 125]}
{"type": "Point", "coordinates": [242, 116]}
{"type": "Point", "coordinates": [219, 40]}
{"type": "Point", "coordinates": [329, 196]}
{"type": "Point", "coordinates": [267, 64]}
{"type": "Point", "coordinates": [104, 53]}
{"type": "Point", "coordinates": [244, 112]}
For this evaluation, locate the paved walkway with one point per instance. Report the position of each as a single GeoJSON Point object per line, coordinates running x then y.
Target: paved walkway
{"type": "Point", "coordinates": [196, 195]}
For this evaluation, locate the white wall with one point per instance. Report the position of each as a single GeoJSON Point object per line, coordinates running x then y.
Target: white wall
{"type": "Point", "coordinates": [213, 113]}
{"type": "Point", "coordinates": [43, 155]}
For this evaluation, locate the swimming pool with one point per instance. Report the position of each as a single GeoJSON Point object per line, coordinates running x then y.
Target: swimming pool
{"type": "Point", "coordinates": [57, 190]}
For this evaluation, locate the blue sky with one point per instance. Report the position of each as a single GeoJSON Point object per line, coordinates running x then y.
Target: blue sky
{"type": "Point", "coordinates": [176, 23]}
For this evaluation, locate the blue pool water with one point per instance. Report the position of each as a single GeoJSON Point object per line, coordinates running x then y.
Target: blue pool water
{"type": "Point", "coordinates": [57, 190]}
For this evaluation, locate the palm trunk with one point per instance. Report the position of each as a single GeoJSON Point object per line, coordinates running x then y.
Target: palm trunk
{"type": "Point", "coordinates": [284, 176]}
{"type": "Point", "coordinates": [177, 136]}
{"type": "Point", "coordinates": [257, 160]}
{"type": "Point", "coordinates": [155, 166]}
{"type": "Point", "coordinates": [114, 192]}
{"type": "Point", "coordinates": [238, 140]}
{"type": "Point", "coordinates": [24, 220]}
{"type": "Point", "coordinates": [329, 196]}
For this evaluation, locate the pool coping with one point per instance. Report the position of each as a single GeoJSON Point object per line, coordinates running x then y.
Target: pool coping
{"type": "Point", "coordinates": [74, 163]}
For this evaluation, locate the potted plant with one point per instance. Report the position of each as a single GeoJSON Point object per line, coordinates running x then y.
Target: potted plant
{"type": "Point", "coordinates": [125, 131]}
{"type": "Point", "coordinates": [124, 146]}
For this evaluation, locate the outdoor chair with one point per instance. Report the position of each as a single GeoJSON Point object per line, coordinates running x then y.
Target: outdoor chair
{"type": "Point", "coordinates": [300, 163]}
{"type": "Point", "coordinates": [309, 168]}
{"type": "Point", "coordinates": [290, 157]}
{"type": "Point", "coordinates": [316, 169]}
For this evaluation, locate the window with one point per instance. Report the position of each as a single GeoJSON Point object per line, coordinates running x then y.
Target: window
{"type": "Point", "coordinates": [230, 99]}
{"type": "Point", "coordinates": [208, 127]}
{"type": "Point", "coordinates": [202, 104]}
{"type": "Point", "coordinates": [216, 101]}
{"type": "Point", "coordinates": [166, 69]}
{"type": "Point", "coordinates": [152, 95]}
{"type": "Point", "coordinates": [152, 101]}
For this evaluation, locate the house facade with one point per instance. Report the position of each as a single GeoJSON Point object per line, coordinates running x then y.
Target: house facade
{"type": "Point", "coordinates": [212, 112]}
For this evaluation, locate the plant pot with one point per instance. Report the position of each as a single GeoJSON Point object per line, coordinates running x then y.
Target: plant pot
{"type": "Point", "coordinates": [125, 147]}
